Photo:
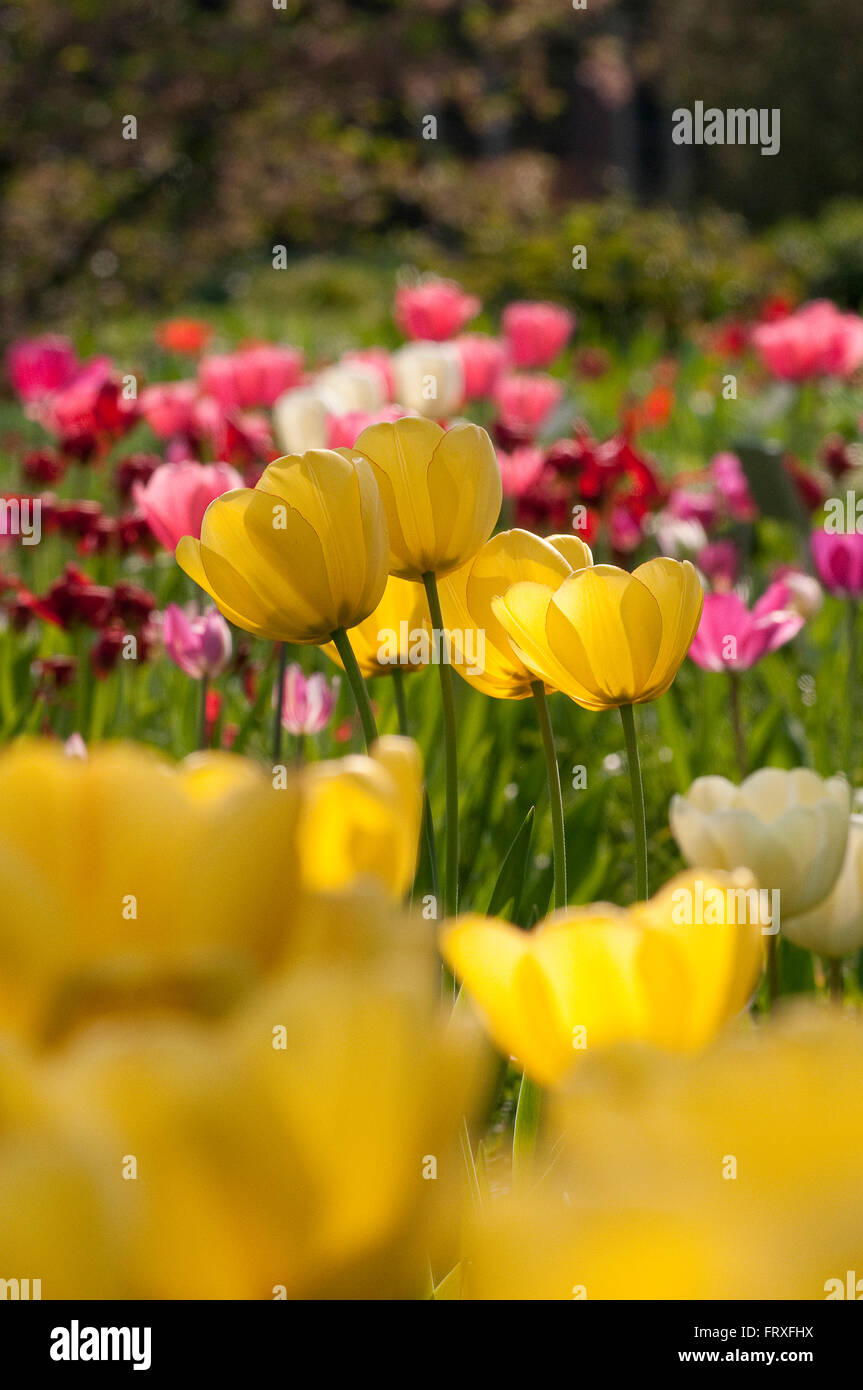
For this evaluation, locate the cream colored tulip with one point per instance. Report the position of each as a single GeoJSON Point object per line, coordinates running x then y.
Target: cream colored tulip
{"type": "Point", "coordinates": [429, 378]}
{"type": "Point", "coordinates": [789, 828]}
{"type": "Point", "coordinates": [834, 927]}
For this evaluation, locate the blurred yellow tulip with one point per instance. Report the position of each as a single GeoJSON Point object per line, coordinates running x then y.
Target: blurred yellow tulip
{"type": "Point", "coordinates": [389, 639]}
{"type": "Point", "coordinates": [603, 636]}
{"type": "Point", "coordinates": [308, 1148]}
{"type": "Point", "coordinates": [441, 492]}
{"type": "Point", "coordinates": [466, 602]}
{"type": "Point", "coordinates": [122, 873]}
{"type": "Point", "coordinates": [588, 977]}
{"type": "Point", "coordinates": [733, 1175]}
{"type": "Point", "coordinates": [300, 555]}
{"type": "Point", "coordinates": [360, 817]}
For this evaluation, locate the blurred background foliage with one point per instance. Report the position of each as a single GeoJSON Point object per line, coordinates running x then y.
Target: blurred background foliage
{"type": "Point", "coordinates": [280, 122]}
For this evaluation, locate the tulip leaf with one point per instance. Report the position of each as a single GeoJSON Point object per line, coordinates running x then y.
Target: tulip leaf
{"type": "Point", "coordinates": [772, 489]}
{"type": "Point", "coordinates": [507, 889]}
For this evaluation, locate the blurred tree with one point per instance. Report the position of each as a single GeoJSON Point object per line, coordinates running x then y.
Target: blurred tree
{"type": "Point", "coordinates": [301, 122]}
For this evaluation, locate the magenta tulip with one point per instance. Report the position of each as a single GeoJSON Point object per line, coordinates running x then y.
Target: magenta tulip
{"type": "Point", "coordinates": [731, 637]}
{"type": "Point", "coordinates": [839, 562]}
{"type": "Point", "coordinates": [39, 366]}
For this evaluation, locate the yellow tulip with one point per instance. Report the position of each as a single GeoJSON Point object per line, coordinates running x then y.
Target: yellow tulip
{"type": "Point", "coordinates": [733, 1175]}
{"type": "Point", "coordinates": [307, 1147]}
{"type": "Point", "coordinates": [360, 817]}
{"type": "Point", "coordinates": [441, 492]}
{"type": "Point", "coordinates": [588, 977]}
{"type": "Point", "coordinates": [605, 637]}
{"type": "Point", "coordinates": [392, 631]}
{"type": "Point", "coordinates": [122, 873]}
{"type": "Point", "coordinates": [466, 596]}
{"type": "Point", "coordinates": [300, 555]}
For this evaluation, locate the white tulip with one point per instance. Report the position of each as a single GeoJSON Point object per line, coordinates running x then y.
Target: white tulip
{"type": "Point", "coordinates": [429, 378]}
{"type": "Point", "coordinates": [300, 419]}
{"type": "Point", "coordinates": [788, 828]}
{"type": "Point", "coordinates": [835, 926]}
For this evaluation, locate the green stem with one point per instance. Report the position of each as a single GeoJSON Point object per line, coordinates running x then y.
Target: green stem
{"type": "Point", "coordinates": [450, 903]}
{"type": "Point", "coordinates": [428, 824]}
{"type": "Point", "coordinates": [279, 701]}
{"type": "Point", "coordinates": [554, 794]}
{"type": "Point", "coordinates": [401, 702]}
{"type": "Point", "coordinates": [526, 1127]}
{"type": "Point", "coordinates": [851, 701]}
{"type": "Point", "coordinates": [202, 726]}
{"type": "Point", "coordinates": [834, 976]}
{"type": "Point", "coordinates": [627, 716]}
{"type": "Point", "coordinates": [737, 724]}
{"type": "Point", "coordinates": [357, 684]}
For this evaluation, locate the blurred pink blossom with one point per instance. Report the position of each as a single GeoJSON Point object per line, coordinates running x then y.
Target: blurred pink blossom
{"type": "Point", "coordinates": [816, 340]}
{"type": "Point", "coordinates": [168, 407]}
{"type": "Point", "coordinates": [719, 561]}
{"type": "Point", "coordinates": [520, 469]}
{"type": "Point", "coordinates": [434, 310]}
{"type": "Point", "coordinates": [251, 377]}
{"type": "Point", "coordinates": [483, 359]}
{"type": "Point", "coordinates": [525, 401]}
{"type": "Point", "coordinates": [535, 332]}
{"type": "Point", "coordinates": [729, 479]}
{"type": "Point", "coordinates": [839, 561]}
{"type": "Point", "coordinates": [344, 430]}
{"type": "Point", "coordinates": [39, 366]}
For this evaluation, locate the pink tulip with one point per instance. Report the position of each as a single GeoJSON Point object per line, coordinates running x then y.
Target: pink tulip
{"type": "Point", "coordinates": [39, 366]}
{"type": "Point", "coordinates": [308, 701]}
{"type": "Point", "coordinates": [252, 377]}
{"type": "Point", "coordinates": [343, 431]}
{"type": "Point", "coordinates": [817, 340]}
{"type": "Point", "coordinates": [536, 333]}
{"type": "Point", "coordinates": [483, 359]}
{"type": "Point", "coordinates": [730, 637]}
{"type": "Point", "coordinates": [729, 479]}
{"type": "Point", "coordinates": [199, 644]}
{"type": "Point", "coordinates": [168, 407]}
{"type": "Point", "coordinates": [434, 310]}
{"type": "Point", "coordinates": [525, 402]}
{"type": "Point", "coordinates": [694, 504]}
{"type": "Point", "coordinates": [520, 469]}
{"type": "Point", "coordinates": [720, 563]}
{"type": "Point", "coordinates": [176, 496]}
{"type": "Point", "coordinates": [839, 562]}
